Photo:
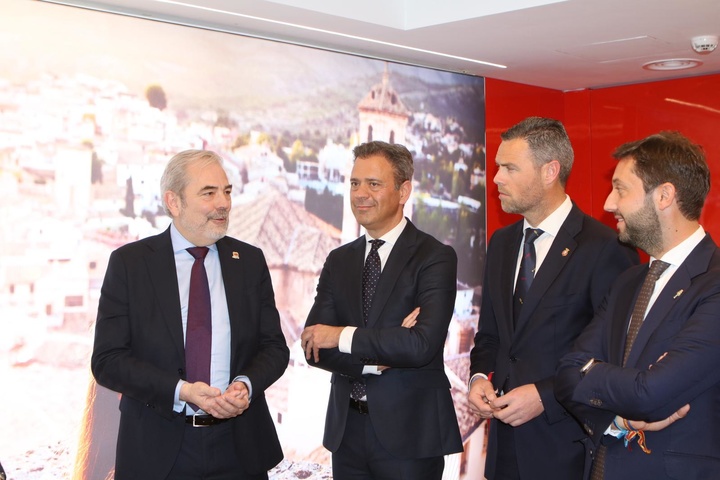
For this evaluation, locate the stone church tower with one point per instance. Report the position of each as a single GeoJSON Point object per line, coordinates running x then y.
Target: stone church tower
{"type": "Point", "coordinates": [383, 116]}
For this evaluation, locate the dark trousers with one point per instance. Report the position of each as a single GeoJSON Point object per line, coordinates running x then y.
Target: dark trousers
{"type": "Point", "coordinates": [361, 457]}
{"type": "Point", "coordinates": [208, 453]}
{"type": "Point", "coordinates": [506, 466]}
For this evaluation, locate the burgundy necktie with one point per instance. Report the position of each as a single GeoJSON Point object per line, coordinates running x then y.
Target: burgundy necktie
{"type": "Point", "coordinates": [198, 338]}
{"type": "Point", "coordinates": [371, 275]}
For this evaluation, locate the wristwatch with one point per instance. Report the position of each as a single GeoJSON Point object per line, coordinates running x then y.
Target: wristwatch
{"type": "Point", "coordinates": [588, 366]}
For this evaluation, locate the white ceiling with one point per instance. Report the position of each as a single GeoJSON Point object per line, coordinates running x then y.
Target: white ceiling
{"type": "Point", "coordinates": [559, 44]}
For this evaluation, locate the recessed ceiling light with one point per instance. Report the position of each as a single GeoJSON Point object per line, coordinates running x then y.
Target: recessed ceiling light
{"type": "Point", "coordinates": [672, 64]}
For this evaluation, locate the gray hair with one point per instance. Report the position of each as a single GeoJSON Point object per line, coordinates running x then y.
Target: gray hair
{"type": "Point", "coordinates": [174, 178]}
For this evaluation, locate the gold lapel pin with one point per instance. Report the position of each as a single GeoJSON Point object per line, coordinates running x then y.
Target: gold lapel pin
{"type": "Point", "coordinates": [236, 256]}
{"type": "Point", "coordinates": [566, 252]}
{"type": "Point", "coordinates": [679, 292]}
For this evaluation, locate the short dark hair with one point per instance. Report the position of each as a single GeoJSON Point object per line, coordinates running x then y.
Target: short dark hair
{"type": "Point", "coordinates": [398, 155]}
{"type": "Point", "coordinates": [671, 157]}
{"type": "Point", "coordinates": [547, 140]}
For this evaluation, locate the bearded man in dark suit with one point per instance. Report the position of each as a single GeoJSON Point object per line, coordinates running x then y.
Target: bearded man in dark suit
{"type": "Point", "coordinates": [191, 415]}
{"type": "Point", "coordinates": [643, 378]}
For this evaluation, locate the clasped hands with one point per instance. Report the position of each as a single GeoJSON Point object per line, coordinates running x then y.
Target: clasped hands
{"type": "Point", "coordinates": [515, 408]}
{"type": "Point", "coordinates": [228, 404]}
{"type": "Point", "coordinates": [316, 337]}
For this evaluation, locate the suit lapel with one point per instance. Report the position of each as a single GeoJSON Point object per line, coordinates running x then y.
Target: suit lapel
{"type": "Point", "coordinates": [561, 250]}
{"type": "Point", "coordinates": [233, 280]}
{"type": "Point", "coordinates": [354, 294]}
{"type": "Point", "coordinates": [506, 275]}
{"type": "Point", "coordinates": [695, 264]}
{"type": "Point", "coordinates": [163, 273]}
{"type": "Point", "coordinates": [401, 253]}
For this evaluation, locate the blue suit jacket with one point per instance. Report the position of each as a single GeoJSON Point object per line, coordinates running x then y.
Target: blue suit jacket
{"type": "Point", "coordinates": [410, 405]}
{"type": "Point", "coordinates": [684, 322]}
{"type": "Point", "coordinates": [583, 261]}
{"type": "Point", "coordinates": [139, 351]}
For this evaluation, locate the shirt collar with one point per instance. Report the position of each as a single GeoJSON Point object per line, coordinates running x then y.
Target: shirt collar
{"type": "Point", "coordinates": [392, 236]}
{"type": "Point", "coordinates": [180, 243]}
{"type": "Point", "coordinates": [552, 223]}
{"type": "Point", "coordinates": [677, 255]}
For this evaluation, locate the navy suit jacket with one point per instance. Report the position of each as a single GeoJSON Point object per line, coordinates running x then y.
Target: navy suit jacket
{"type": "Point", "coordinates": [410, 405]}
{"type": "Point", "coordinates": [139, 352]}
{"type": "Point", "coordinates": [684, 322]}
{"type": "Point", "coordinates": [584, 259]}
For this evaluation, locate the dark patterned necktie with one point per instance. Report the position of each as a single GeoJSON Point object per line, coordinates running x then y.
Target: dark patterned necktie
{"type": "Point", "coordinates": [198, 337]}
{"type": "Point", "coordinates": [641, 304]}
{"type": "Point", "coordinates": [526, 274]}
{"type": "Point", "coordinates": [636, 319]}
{"type": "Point", "coordinates": [371, 275]}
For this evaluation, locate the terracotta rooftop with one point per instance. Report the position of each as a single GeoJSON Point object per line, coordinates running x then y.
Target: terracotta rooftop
{"type": "Point", "coordinates": [289, 236]}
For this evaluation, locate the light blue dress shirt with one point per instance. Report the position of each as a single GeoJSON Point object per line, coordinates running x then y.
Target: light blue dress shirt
{"type": "Point", "coordinates": [220, 350]}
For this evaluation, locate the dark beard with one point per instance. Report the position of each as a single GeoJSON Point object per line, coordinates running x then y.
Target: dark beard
{"type": "Point", "coordinates": [642, 229]}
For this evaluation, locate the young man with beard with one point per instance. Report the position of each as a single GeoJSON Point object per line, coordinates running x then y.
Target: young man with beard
{"type": "Point", "coordinates": [643, 378]}
{"type": "Point", "coordinates": [524, 331]}
{"type": "Point", "coordinates": [187, 331]}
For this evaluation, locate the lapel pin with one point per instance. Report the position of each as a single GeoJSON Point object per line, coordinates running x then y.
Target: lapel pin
{"type": "Point", "coordinates": [236, 256]}
{"type": "Point", "coordinates": [565, 252]}
{"type": "Point", "coordinates": [679, 292]}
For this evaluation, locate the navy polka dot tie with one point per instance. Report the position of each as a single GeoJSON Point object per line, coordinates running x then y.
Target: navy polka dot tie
{"type": "Point", "coordinates": [371, 275]}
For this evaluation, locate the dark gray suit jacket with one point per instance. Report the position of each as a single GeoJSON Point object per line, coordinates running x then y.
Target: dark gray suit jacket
{"type": "Point", "coordinates": [583, 261]}
{"type": "Point", "coordinates": [410, 404]}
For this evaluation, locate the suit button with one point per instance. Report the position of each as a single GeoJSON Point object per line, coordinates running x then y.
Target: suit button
{"type": "Point", "coordinates": [513, 359]}
{"type": "Point", "coordinates": [181, 372]}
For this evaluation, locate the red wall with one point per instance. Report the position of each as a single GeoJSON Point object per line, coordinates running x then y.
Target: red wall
{"type": "Point", "coordinates": [600, 120]}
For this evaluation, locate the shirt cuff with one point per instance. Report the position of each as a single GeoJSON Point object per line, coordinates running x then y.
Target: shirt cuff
{"type": "Point", "coordinates": [614, 432]}
{"type": "Point", "coordinates": [475, 377]}
{"type": "Point", "coordinates": [346, 337]}
{"type": "Point", "coordinates": [248, 384]}
{"type": "Point", "coordinates": [371, 370]}
{"type": "Point", "coordinates": [178, 405]}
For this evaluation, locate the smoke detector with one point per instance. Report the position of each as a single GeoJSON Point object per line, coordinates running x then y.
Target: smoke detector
{"type": "Point", "coordinates": [704, 43]}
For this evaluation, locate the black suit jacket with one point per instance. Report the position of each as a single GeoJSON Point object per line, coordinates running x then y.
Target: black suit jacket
{"type": "Point", "coordinates": [139, 352]}
{"type": "Point", "coordinates": [410, 404]}
{"type": "Point", "coordinates": [684, 322]}
{"type": "Point", "coordinates": [577, 272]}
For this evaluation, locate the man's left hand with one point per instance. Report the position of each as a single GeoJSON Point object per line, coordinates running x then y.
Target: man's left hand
{"type": "Point", "coordinates": [519, 405]}
{"type": "Point", "coordinates": [233, 402]}
{"type": "Point", "coordinates": [315, 337]}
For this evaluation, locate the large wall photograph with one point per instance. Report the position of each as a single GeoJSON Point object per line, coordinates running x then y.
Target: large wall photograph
{"type": "Point", "coordinates": [93, 105]}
